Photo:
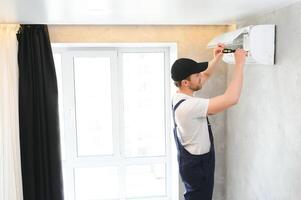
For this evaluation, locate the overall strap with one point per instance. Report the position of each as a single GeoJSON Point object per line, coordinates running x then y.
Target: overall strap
{"type": "Point", "coordinates": [210, 132]}
{"type": "Point", "coordinates": [208, 121]}
{"type": "Point", "coordinates": [174, 108]}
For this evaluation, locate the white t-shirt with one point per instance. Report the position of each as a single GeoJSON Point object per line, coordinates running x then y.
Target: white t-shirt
{"type": "Point", "coordinates": [192, 128]}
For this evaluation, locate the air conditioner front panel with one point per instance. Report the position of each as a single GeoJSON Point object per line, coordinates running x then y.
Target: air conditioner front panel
{"type": "Point", "coordinates": [229, 39]}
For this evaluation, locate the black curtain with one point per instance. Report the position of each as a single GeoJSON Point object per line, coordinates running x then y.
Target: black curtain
{"type": "Point", "coordinates": [38, 115]}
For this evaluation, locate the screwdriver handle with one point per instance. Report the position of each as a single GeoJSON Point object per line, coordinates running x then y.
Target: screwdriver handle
{"type": "Point", "coordinates": [228, 50]}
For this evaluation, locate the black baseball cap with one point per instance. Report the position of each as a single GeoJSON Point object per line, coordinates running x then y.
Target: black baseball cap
{"type": "Point", "coordinates": [184, 67]}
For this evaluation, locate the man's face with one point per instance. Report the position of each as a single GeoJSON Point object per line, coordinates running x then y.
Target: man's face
{"type": "Point", "coordinates": [195, 82]}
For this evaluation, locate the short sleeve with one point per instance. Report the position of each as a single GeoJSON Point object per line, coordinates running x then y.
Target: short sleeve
{"type": "Point", "coordinates": [196, 107]}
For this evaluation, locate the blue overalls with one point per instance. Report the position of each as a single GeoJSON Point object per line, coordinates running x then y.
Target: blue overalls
{"type": "Point", "coordinates": [197, 171]}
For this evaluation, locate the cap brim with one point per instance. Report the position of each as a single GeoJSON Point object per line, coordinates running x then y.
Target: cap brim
{"type": "Point", "coordinates": [202, 66]}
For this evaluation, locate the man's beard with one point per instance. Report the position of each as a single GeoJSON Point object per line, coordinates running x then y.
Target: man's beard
{"type": "Point", "coordinates": [195, 87]}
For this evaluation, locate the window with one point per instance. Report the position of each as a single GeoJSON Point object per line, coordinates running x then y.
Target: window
{"type": "Point", "coordinates": [114, 120]}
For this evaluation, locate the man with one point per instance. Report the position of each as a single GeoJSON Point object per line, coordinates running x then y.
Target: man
{"type": "Point", "coordinates": [192, 130]}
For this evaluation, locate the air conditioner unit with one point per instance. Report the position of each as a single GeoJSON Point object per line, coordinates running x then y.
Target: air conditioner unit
{"type": "Point", "coordinates": [258, 40]}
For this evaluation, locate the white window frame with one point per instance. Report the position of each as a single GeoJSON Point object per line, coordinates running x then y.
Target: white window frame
{"type": "Point", "coordinates": [114, 50]}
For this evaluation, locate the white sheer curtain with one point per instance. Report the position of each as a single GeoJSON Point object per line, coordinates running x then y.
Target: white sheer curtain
{"type": "Point", "coordinates": [10, 160]}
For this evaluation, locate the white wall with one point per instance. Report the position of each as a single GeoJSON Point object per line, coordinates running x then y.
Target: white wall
{"type": "Point", "coordinates": [264, 129]}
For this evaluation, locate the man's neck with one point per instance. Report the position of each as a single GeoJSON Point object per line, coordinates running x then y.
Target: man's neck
{"type": "Point", "coordinates": [185, 91]}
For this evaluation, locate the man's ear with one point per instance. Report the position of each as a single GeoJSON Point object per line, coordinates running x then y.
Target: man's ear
{"type": "Point", "coordinates": [184, 82]}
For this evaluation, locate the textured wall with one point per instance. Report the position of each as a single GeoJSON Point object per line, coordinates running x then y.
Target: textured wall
{"type": "Point", "coordinates": [191, 42]}
{"type": "Point", "coordinates": [264, 129]}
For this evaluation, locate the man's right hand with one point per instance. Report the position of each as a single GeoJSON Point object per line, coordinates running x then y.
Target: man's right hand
{"type": "Point", "coordinates": [240, 57]}
{"type": "Point", "coordinates": [231, 96]}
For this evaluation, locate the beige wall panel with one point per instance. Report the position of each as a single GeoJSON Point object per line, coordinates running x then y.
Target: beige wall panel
{"type": "Point", "coordinates": [191, 40]}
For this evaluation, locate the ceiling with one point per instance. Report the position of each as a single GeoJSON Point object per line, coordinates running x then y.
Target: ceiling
{"type": "Point", "coordinates": [134, 12]}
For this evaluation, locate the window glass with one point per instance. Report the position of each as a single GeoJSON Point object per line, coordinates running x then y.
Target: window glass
{"type": "Point", "coordinates": [143, 84]}
{"type": "Point", "coordinates": [93, 105]}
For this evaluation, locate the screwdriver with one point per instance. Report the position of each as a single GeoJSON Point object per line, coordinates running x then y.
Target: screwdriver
{"type": "Point", "coordinates": [228, 50]}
